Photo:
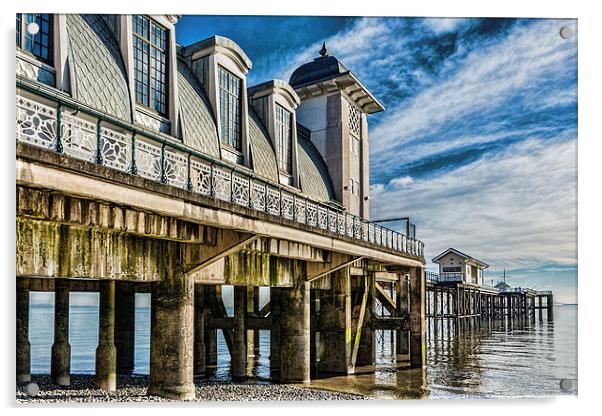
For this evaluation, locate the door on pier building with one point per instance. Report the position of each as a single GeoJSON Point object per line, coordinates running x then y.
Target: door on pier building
{"type": "Point", "coordinates": [474, 274]}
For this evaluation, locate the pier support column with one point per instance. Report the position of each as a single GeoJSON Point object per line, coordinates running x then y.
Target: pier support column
{"type": "Point", "coordinates": [211, 295]}
{"type": "Point", "coordinates": [256, 333]}
{"type": "Point", "coordinates": [125, 326]}
{"type": "Point", "coordinates": [550, 305]}
{"type": "Point", "coordinates": [335, 324]}
{"type": "Point", "coordinates": [417, 318]}
{"type": "Point", "coordinates": [60, 366]}
{"type": "Point", "coordinates": [23, 346]}
{"type": "Point", "coordinates": [106, 353]}
{"type": "Point", "coordinates": [238, 359]}
{"type": "Point", "coordinates": [403, 307]}
{"type": "Point", "coordinates": [250, 309]}
{"type": "Point", "coordinates": [172, 329]}
{"type": "Point", "coordinates": [295, 327]}
{"type": "Point", "coordinates": [199, 330]}
{"type": "Point", "coordinates": [275, 330]}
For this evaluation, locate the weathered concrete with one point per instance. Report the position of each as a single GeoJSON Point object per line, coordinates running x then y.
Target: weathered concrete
{"type": "Point", "coordinates": [295, 327]}
{"type": "Point", "coordinates": [60, 366]}
{"type": "Point", "coordinates": [106, 353]}
{"type": "Point", "coordinates": [172, 329]}
{"type": "Point", "coordinates": [335, 325]}
{"type": "Point", "coordinates": [23, 347]}
{"type": "Point", "coordinates": [238, 359]}
{"type": "Point", "coordinates": [417, 317]}
{"type": "Point", "coordinates": [403, 308]}
{"type": "Point", "coordinates": [199, 330]}
{"type": "Point", "coordinates": [125, 326]}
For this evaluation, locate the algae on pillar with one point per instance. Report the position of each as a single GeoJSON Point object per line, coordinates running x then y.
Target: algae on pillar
{"type": "Point", "coordinates": [172, 328]}
{"type": "Point", "coordinates": [23, 346]}
{"type": "Point", "coordinates": [60, 365]}
{"type": "Point", "coordinates": [295, 326]}
{"type": "Point", "coordinates": [106, 353]}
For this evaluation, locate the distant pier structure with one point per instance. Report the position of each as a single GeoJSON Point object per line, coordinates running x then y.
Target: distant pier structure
{"type": "Point", "coordinates": [144, 166]}
{"type": "Point", "coordinates": [458, 294]}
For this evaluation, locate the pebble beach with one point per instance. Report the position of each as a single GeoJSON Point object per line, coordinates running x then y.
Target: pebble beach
{"type": "Point", "coordinates": [133, 389]}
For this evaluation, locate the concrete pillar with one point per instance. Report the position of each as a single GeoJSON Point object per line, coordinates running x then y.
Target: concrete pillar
{"type": "Point", "coordinates": [125, 326]}
{"type": "Point", "coordinates": [275, 331]}
{"type": "Point", "coordinates": [256, 333]}
{"type": "Point", "coordinates": [106, 353]}
{"type": "Point", "coordinates": [172, 329]}
{"type": "Point", "coordinates": [250, 309]}
{"type": "Point", "coordinates": [60, 366]}
{"type": "Point", "coordinates": [403, 307]}
{"type": "Point", "coordinates": [417, 318]}
{"type": "Point", "coordinates": [199, 330]}
{"type": "Point", "coordinates": [295, 327]}
{"type": "Point", "coordinates": [211, 293]}
{"type": "Point", "coordinates": [23, 346]}
{"type": "Point", "coordinates": [335, 324]}
{"type": "Point", "coordinates": [238, 359]}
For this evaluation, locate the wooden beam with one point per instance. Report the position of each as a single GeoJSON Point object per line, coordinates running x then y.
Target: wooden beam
{"type": "Point", "coordinates": [360, 324]}
{"type": "Point", "coordinates": [385, 299]}
{"type": "Point", "coordinates": [228, 242]}
{"type": "Point", "coordinates": [337, 261]}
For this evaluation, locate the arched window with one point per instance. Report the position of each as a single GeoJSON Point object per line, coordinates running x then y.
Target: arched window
{"type": "Point", "coordinates": [229, 101]}
{"type": "Point", "coordinates": [39, 43]}
{"type": "Point", "coordinates": [283, 139]}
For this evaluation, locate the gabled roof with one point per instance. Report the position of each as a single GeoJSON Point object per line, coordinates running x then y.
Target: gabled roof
{"type": "Point", "coordinates": [459, 253]}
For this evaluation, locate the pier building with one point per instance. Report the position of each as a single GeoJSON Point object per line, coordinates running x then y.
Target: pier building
{"type": "Point", "coordinates": [147, 166]}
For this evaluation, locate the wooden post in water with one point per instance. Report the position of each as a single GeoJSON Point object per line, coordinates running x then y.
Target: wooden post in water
{"type": "Point", "coordinates": [417, 318]}
{"type": "Point", "coordinates": [106, 353]}
{"type": "Point", "coordinates": [200, 359]}
{"type": "Point", "coordinates": [61, 349]}
{"type": "Point", "coordinates": [238, 359]}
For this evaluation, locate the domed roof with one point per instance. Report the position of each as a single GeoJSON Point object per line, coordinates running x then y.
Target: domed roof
{"type": "Point", "coordinates": [322, 68]}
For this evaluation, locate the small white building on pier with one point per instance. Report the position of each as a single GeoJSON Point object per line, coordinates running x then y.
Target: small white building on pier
{"type": "Point", "coordinates": [455, 266]}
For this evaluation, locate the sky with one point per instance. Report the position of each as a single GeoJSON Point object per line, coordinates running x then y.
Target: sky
{"type": "Point", "coordinates": [478, 143]}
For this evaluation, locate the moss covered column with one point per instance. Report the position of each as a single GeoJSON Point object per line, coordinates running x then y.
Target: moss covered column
{"type": "Point", "coordinates": [172, 328]}
{"type": "Point", "coordinates": [366, 354]}
{"type": "Point", "coordinates": [295, 327]}
{"type": "Point", "coordinates": [23, 346]}
{"type": "Point", "coordinates": [403, 307]}
{"type": "Point", "coordinates": [125, 326]}
{"type": "Point", "coordinates": [335, 324]}
{"type": "Point", "coordinates": [238, 361]}
{"type": "Point", "coordinates": [417, 317]}
{"type": "Point", "coordinates": [60, 365]}
{"type": "Point", "coordinates": [199, 330]}
{"type": "Point", "coordinates": [106, 353]}
{"type": "Point", "coordinates": [250, 309]}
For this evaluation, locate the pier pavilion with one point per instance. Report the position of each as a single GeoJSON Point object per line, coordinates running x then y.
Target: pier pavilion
{"type": "Point", "coordinates": [143, 165]}
{"type": "Point", "coordinates": [458, 294]}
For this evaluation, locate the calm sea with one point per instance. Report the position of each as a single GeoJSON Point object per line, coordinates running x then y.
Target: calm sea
{"type": "Point", "coordinates": [527, 360]}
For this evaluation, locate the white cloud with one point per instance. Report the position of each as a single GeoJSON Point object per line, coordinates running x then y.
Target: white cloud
{"type": "Point", "coordinates": [401, 182]}
{"type": "Point", "coordinates": [514, 210]}
{"type": "Point", "coordinates": [443, 24]}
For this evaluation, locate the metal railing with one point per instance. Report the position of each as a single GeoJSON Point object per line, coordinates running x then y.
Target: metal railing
{"type": "Point", "coordinates": [85, 133]}
{"type": "Point", "coordinates": [444, 277]}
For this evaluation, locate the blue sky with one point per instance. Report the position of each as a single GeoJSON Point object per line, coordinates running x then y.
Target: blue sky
{"type": "Point", "coordinates": [478, 143]}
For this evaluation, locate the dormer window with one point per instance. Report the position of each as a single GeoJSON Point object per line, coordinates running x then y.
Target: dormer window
{"type": "Point", "coordinates": [283, 139]}
{"type": "Point", "coordinates": [37, 43]}
{"type": "Point", "coordinates": [150, 64]}
{"type": "Point", "coordinates": [230, 102]}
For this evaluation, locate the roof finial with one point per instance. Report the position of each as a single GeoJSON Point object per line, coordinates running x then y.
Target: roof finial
{"type": "Point", "coordinates": [324, 51]}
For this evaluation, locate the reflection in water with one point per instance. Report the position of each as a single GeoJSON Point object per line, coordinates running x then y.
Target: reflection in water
{"type": "Point", "coordinates": [494, 359]}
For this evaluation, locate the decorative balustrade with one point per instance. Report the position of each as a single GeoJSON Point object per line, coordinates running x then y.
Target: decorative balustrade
{"type": "Point", "coordinates": [84, 133]}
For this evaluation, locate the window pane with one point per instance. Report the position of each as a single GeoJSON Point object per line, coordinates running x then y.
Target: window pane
{"type": "Point", "coordinates": [229, 93]}
{"type": "Point", "coordinates": [284, 139]}
{"type": "Point", "coordinates": [150, 63]}
{"type": "Point", "coordinates": [40, 43]}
